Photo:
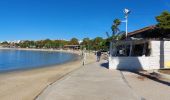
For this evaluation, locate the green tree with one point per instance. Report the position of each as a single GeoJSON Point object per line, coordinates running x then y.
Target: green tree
{"type": "Point", "coordinates": [98, 43]}
{"type": "Point", "coordinates": [163, 23]}
{"type": "Point", "coordinates": [86, 43]}
{"type": "Point", "coordinates": [47, 43]}
{"type": "Point", "coordinates": [39, 44]}
{"type": "Point", "coordinates": [5, 43]}
{"type": "Point", "coordinates": [74, 41]}
{"type": "Point", "coordinates": [25, 44]}
{"type": "Point", "coordinates": [163, 20]}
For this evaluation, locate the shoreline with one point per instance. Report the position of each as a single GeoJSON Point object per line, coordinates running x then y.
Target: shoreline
{"type": "Point", "coordinates": [27, 84]}
{"type": "Point", "coordinates": [40, 67]}
{"type": "Point", "coordinates": [76, 53]}
{"type": "Point", "coordinates": [50, 50]}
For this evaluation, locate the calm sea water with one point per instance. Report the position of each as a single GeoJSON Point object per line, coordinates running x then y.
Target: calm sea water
{"type": "Point", "coordinates": [20, 59]}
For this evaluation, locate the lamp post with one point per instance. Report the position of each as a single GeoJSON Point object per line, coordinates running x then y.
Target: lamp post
{"type": "Point", "coordinates": [126, 12]}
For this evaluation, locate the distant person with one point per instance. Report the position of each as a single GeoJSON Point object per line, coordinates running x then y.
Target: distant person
{"type": "Point", "coordinates": [84, 56]}
{"type": "Point", "coordinates": [98, 55]}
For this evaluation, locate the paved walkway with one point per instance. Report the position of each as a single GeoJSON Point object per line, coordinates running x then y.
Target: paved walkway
{"type": "Point", "coordinates": [91, 82]}
{"type": "Point", "coordinates": [150, 89]}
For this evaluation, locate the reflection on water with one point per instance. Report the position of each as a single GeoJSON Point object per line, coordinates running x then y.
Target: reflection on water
{"type": "Point", "coordinates": [20, 59]}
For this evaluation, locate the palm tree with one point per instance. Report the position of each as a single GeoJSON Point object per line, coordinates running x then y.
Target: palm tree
{"type": "Point", "coordinates": [116, 33]}
{"type": "Point", "coordinates": [115, 26]}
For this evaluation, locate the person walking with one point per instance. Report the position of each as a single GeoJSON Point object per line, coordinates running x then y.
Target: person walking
{"type": "Point", "coordinates": [98, 55]}
{"type": "Point", "coordinates": [84, 56]}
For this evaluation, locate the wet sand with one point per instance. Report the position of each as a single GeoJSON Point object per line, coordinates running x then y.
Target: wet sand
{"type": "Point", "coordinates": [27, 84]}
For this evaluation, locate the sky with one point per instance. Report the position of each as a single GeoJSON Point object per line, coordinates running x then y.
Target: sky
{"type": "Point", "coordinates": [64, 19]}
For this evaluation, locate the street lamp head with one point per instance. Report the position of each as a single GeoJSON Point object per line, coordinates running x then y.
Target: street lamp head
{"type": "Point", "coordinates": [126, 11]}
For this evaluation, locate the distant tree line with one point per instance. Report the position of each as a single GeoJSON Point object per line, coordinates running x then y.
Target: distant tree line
{"type": "Point", "coordinates": [97, 43]}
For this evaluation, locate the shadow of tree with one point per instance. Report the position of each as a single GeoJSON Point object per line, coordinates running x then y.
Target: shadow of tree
{"type": "Point", "coordinates": [152, 76]}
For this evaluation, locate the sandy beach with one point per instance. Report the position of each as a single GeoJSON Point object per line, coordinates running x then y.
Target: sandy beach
{"type": "Point", "coordinates": [27, 84]}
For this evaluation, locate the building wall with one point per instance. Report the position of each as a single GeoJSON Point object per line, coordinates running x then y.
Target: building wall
{"type": "Point", "coordinates": [144, 63]}
{"type": "Point", "coordinates": [129, 63]}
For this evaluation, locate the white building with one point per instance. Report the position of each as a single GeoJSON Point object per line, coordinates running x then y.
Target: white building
{"type": "Point", "coordinates": [152, 55]}
{"type": "Point", "coordinates": [141, 54]}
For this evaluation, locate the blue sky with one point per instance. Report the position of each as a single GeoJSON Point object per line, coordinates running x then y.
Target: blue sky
{"type": "Point", "coordinates": [64, 19]}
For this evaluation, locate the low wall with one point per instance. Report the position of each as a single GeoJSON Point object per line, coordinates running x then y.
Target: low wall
{"type": "Point", "coordinates": [133, 63]}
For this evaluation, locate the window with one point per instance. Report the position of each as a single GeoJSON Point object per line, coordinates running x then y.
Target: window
{"type": "Point", "coordinates": [136, 49]}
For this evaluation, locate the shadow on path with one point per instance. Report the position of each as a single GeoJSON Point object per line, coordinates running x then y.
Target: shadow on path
{"type": "Point", "coordinates": [105, 65]}
{"type": "Point", "coordinates": [153, 76]}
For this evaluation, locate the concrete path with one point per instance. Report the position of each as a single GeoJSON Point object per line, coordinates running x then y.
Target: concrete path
{"type": "Point", "coordinates": [150, 89]}
{"type": "Point", "coordinates": [91, 82]}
